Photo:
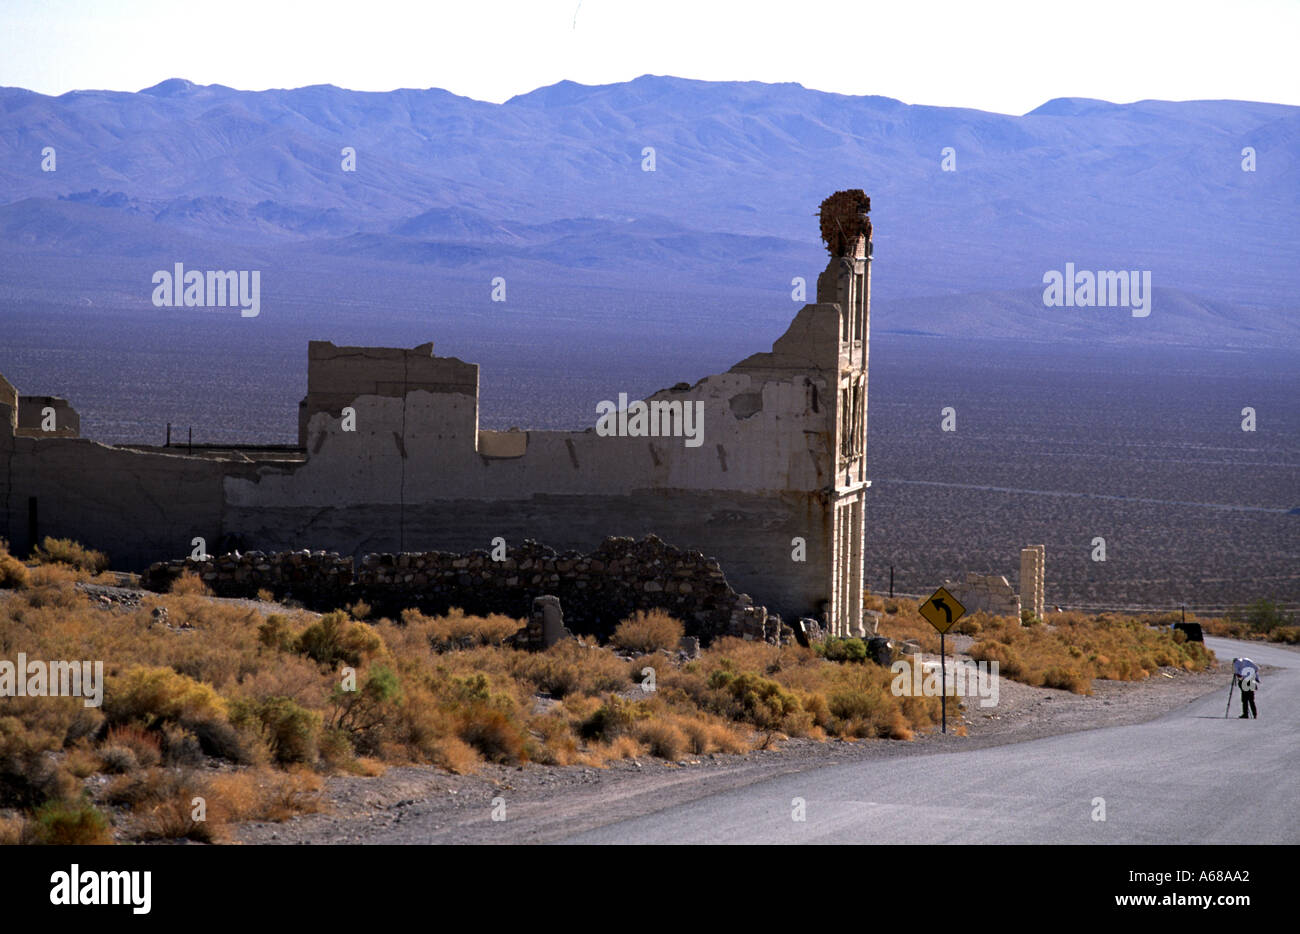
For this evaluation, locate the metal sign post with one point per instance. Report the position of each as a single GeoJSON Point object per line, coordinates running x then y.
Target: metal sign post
{"type": "Point", "coordinates": [943, 679]}
{"type": "Point", "coordinates": [941, 611]}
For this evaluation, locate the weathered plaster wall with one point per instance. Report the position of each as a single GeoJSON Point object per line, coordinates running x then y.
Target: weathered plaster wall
{"type": "Point", "coordinates": [337, 375]}
{"type": "Point", "coordinates": [418, 474]}
{"type": "Point", "coordinates": [31, 417]}
{"type": "Point", "coordinates": [136, 507]}
{"type": "Point", "coordinates": [782, 457]}
{"type": "Point", "coordinates": [8, 408]}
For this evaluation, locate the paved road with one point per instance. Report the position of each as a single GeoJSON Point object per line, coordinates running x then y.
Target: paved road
{"type": "Point", "coordinates": [1190, 776]}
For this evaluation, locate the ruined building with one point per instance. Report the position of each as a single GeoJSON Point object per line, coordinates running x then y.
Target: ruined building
{"type": "Point", "coordinates": [391, 458]}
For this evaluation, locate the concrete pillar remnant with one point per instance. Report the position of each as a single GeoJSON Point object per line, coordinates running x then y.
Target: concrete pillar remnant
{"type": "Point", "coordinates": [548, 618]}
{"type": "Point", "coordinates": [1031, 579]}
{"type": "Point", "coordinates": [846, 283]}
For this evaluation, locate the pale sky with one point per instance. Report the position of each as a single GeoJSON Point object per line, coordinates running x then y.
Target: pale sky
{"type": "Point", "coordinates": [1001, 55]}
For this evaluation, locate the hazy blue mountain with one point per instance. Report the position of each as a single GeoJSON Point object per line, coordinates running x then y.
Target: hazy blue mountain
{"type": "Point", "coordinates": [550, 186]}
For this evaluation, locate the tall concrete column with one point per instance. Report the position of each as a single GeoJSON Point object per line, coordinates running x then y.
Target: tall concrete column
{"type": "Point", "coordinates": [846, 283]}
{"type": "Point", "coordinates": [1032, 561]}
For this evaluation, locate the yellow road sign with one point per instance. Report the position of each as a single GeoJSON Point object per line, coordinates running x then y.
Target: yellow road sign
{"type": "Point", "coordinates": [942, 610]}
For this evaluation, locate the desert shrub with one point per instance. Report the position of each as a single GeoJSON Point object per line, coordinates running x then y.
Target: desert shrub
{"type": "Point", "coordinates": [663, 739]}
{"type": "Point", "coordinates": [971, 625]}
{"type": "Point", "coordinates": [620, 747]}
{"type": "Point", "coordinates": [30, 780]}
{"type": "Point", "coordinates": [848, 704]}
{"type": "Point", "coordinates": [735, 654]}
{"type": "Point", "coordinates": [335, 639]}
{"type": "Point", "coordinates": [265, 596]}
{"type": "Point", "coordinates": [557, 744]}
{"type": "Point", "coordinates": [688, 685]}
{"type": "Point", "coordinates": [66, 551]}
{"type": "Point", "coordinates": [455, 630]}
{"type": "Point", "coordinates": [180, 747]}
{"type": "Point", "coordinates": [474, 689]}
{"type": "Point", "coordinates": [861, 704]}
{"type": "Point", "coordinates": [1066, 679]}
{"type": "Point", "coordinates": [219, 661]}
{"type": "Point", "coordinates": [155, 698]}
{"type": "Point", "coordinates": [290, 731]}
{"type": "Point", "coordinates": [1075, 649]}
{"type": "Point", "coordinates": [68, 823]}
{"type": "Point", "coordinates": [569, 667]}
{"type": "Point", "coordinates": [264, 795]}
{"type": "Point", "coordinates": [143, 788]}
{"type": "Point", "coordinates": [188, 583]}
{"type": "Point", "coordinates": [118, 759]}
{"type": "Point", "coordinates": [29, 776]}
{"type": "Point", "coordinates": [276, 632]}
{"type": "Point", "coordinates": [420, 723]}
{"type": "Point", "coordinates": [11, 830]}
{"type": "Point", "coordinates": [284, 675]}
{"type": "Point", "coordinates": [216, 737]}
{"type": "Point", "coordinates": [153, 695]}
{"type": "Point", "coordinates": [648, 631]}
{"type": "Point", "coordinates": [751, 698]}
{"type": "Point", "coordinates": [335, 748]}
{"type": "Point", "coordinates": [615, 717]}
{"type": "Point", "coordinates": [143, 747]}
{"type": "Point", "coordinates": [53, 585]}
{"type": "Point", "coordinates": [166, 807]}
{"type": "Point", "coordinates": [836, 649]}
{"type": "Point", "coordinates": [494, 734]}
{"type": "Point", "coordinates": [13, 573]}
{"type": "Point", "coordinates": [364, 713]}
{"type": "Point", "coordinates": [818, 708]}
{"type": "Point", "coordinates": [1009, 664]}
{"type": "Point", "coordinates": [173, 819]}
{"type": "Point", "coordinates": [455, 755]}
{"type": "Point", "coordinates": [706, 736]}
{"type": "Point", "coordinates": [80, 762]}
{"type": "Point", "coordinates": [1264, 616]}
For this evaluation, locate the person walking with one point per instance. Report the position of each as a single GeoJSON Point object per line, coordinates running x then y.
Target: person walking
{"type": "Point", "coordinates": [1247, 674]}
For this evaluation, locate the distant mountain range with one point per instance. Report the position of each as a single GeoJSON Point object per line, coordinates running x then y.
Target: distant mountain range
{"type": "Point", "coordinates": [550, 186]}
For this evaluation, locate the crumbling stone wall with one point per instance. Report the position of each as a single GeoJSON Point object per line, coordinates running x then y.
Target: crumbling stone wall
{"type": "Point", "coordinates": [597, 590]}
{"type": "Point", "coordinates": [315, 578]}
{"type": "Point", "coordinates": [991, 593]}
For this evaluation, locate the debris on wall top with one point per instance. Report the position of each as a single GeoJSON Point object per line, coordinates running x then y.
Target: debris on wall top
{"type": "Point", "coordinates": [844, 219]}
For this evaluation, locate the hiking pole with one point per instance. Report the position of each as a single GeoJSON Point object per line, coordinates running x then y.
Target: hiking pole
{"type": "Point", "coordinates": [1231, 685]}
